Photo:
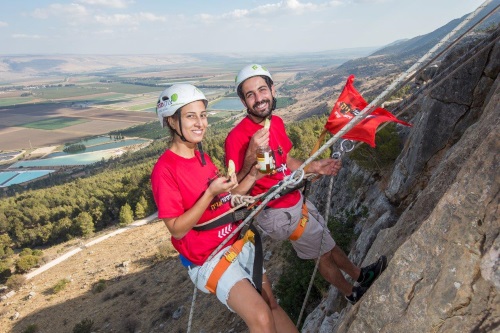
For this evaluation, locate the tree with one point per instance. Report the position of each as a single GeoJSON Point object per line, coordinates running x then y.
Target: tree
{"type": "Point", "coordinates": [141, 208]}
{"type": "Point", "coordinates": [5, 246]}
{"type": "Point", "coordinates": [84, 224]}
{"type": "Point", "coordinates": [126, 215]}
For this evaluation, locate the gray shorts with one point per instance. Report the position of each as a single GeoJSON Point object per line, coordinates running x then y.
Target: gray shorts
{"type": "Point", "coordinates": [240, 269]}
{"type": "Point", "coordinates": [280, 223]}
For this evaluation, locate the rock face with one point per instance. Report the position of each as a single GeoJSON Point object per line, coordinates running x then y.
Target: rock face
{"type": "Point", "coordinates": [436, 216]}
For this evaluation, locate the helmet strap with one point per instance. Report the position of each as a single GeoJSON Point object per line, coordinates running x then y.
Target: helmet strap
{"type": "Point", "coordinates": [202, 154]}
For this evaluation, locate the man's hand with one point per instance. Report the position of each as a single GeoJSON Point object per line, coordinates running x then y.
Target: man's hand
{"type": "Point", "coordinates": [327, 166]}
{"type": "Point", "coordinates": [259, 138]}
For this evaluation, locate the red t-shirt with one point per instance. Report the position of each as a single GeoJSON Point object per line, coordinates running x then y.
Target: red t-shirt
{"type": "Point", "coordinates": [237, 143]}
{"type": "Point", "coordinates": [177, 184]}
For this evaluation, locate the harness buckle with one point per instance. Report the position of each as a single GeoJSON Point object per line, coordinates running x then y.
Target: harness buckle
{"type": "Point", "coordinates": [230, 256]}
{"type": "Point", "coordinates": [249, 236]}
{"type": "Point", "coordinates": [303, 221]}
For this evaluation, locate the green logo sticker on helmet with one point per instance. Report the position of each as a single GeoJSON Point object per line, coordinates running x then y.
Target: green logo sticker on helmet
{"type": "Point", "coordinates": [254, 67]}
{"type": "Point", "coordinates": [174, 97]}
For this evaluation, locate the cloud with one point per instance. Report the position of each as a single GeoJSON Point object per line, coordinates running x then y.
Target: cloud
{"type": "Point", "coordinates": [283, 7]}
{"type": "Point", "coordinates": [3, 24]}
{"type": "Point", "coordinates": [127, 19]}
{"type": "Point", "coordinates": [24, 36]}
{"type": "Point", "coordinates": [59, 10]}
{"type": "Point", "coordinates": [107, 3]}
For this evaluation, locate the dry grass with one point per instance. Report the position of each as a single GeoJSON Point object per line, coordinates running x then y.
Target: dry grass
{"type": "Point", "coordinates": [119, 284]}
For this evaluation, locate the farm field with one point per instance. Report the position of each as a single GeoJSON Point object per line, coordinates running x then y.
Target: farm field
{"type": "Point", "coordinates": [59, 110]}
{"type": "Point", "coordinates": [39, 125]}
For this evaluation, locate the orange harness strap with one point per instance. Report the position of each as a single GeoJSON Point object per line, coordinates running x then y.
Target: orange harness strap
{"type": "Point", "coordinates": [302, 224]}
{"type": "Point", "coordinates": [227, 259]}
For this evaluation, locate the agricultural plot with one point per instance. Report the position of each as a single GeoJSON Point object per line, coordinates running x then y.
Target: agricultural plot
{"type": "Point", "coordinates": [54, 123]}
{"type": "Point", "coordinates": [39, 125]}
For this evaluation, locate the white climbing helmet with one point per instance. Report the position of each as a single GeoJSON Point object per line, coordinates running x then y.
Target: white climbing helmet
{"type": "Point", "coordinates": [175, 97]}
{"type": "Point", "coordinates": [249, 71]}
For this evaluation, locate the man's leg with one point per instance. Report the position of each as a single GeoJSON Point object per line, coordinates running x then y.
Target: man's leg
{"type": "Point", "coordinates": [344, 264]}
{"type": "Point", "coordinates": [329, 268]}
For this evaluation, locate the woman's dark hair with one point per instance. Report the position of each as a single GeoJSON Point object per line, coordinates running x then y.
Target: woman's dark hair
{"type": "Point", "coordinates": [172, 131]}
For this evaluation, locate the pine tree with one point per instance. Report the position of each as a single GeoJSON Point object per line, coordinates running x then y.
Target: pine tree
{"type": "Point", "coordinates": [85, 224]}
{"type": "Point", "coordinates": [126, 215]}
{"type": "Point", "coordinates": [141, 207]}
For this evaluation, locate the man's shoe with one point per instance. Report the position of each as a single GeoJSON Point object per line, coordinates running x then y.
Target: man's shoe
{"type": "Point", "coordinates": [371, 272]}
{"type": "Point", "coordinates": [357, 293]}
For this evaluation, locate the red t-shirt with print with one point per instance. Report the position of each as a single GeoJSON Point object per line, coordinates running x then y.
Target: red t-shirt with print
{"type": "Point", "coordinates": [177, 184]}
{"type": "Point", "coordinates": [237, 143]}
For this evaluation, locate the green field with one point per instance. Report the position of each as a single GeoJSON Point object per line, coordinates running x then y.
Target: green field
{"type": "Point", "coordinates": [91, 89]}
{"type": "Point", "coordinates": [15, 100]}
{"type": "Point", "coordinates": [142, 107]}
{"type": "Point", "coordinates": [54, 123]}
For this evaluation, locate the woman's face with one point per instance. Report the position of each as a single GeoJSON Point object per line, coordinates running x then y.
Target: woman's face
{"type": "Point", "coordinates": [193, 121]}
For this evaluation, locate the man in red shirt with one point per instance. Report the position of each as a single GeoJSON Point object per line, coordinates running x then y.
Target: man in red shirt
{"type": "Point", "coordinates": [286, 214]}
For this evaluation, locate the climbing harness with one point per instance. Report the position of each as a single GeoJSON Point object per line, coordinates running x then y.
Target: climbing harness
{"type": "Point", "coordinates": [302, 223]}
{"type": "Point", "coordinates": [291, 180]}
{"type": "Point", "coordinates": [227, 259]}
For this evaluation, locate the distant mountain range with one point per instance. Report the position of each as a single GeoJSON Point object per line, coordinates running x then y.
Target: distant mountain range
{"type": "Point", "coordinates": [18, 67]}
{"type": "Point", "coordinates": [395, 57]}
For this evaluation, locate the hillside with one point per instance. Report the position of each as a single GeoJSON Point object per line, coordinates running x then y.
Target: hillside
{"type": "Point", "coordinates": [434, 214]}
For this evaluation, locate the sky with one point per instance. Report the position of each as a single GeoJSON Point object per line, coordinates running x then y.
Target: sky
{"type": "Point", "coordinates": [220, 26]}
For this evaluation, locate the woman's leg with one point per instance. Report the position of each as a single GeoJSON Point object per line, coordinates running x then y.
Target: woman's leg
{"type": "Point", "coordinates": [282, 322]}
{"type": "Point", "coordinates": [251, 307]}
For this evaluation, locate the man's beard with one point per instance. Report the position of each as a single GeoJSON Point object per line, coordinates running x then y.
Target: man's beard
{"type": "Point", "coordinates": [263, 114]}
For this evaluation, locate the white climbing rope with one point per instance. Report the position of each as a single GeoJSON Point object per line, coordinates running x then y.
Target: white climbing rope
{"type": "Point", "coordinates": [345, 147]}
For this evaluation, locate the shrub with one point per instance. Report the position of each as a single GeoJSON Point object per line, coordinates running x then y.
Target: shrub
{"type": "Point", "coordinates": [60, 285]}
{"type": "Point", "coordinates": [26, 252]}
{"type": "Point", "coordinates": [85, 326]}
{"type": "Point", "coordinates": [5, 271]}
{"type": "Point", "coordinates": [385, 153]}
{"type": "Point", "coordinates": [26, 262]}
{"type": "Point", "coordinates": [165, 251]}
{"type": "Point", "coordinates": [99, 286]}
{"type": "Point", "coordinates": [15, 281]}
{"type": "Point", "coordinates": [131, 324]}
{"type": "Point", "coordinates": [32, 328]}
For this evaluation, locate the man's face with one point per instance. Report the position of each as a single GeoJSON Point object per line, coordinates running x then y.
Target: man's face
{"type": "Point", "coordinates": [258, 98]}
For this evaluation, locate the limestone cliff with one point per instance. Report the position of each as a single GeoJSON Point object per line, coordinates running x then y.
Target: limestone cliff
{"type": "Point", "coordinates": [435, 215]}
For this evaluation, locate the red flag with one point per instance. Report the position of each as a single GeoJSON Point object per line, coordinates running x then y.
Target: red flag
{"type": "Point", "coordinates": [348, 105]}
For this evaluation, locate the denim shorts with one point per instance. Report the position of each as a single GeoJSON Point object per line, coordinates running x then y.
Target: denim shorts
{"type": "Point", "coordinates": [280, 223]}
{"type": "Point", "coordinates": [241, 268]}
